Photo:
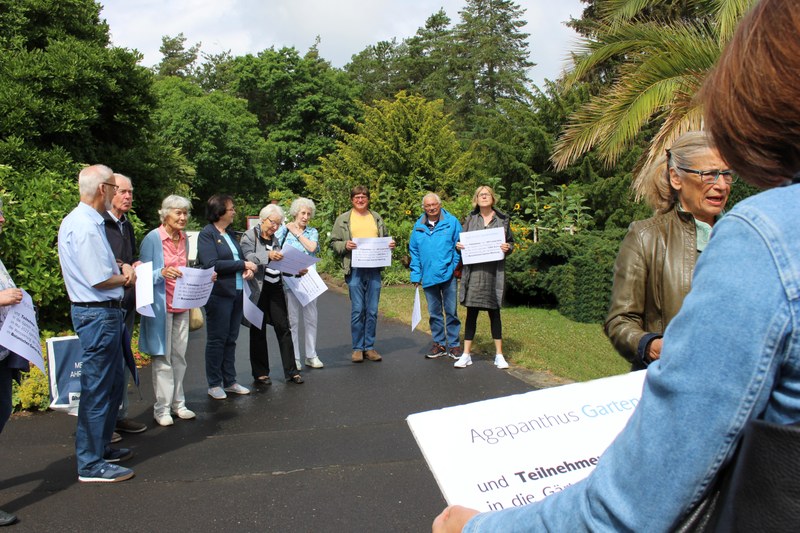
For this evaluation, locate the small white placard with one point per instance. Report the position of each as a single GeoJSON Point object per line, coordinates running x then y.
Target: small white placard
{"type": "Point", "coordinates": [20, 332]}
{"type": "Point", "coordinates": [482, 246]}
{"type": "Point", "coordinates": [193, 288]}
{"type": "Point", "coordinates": [144, 289]}
{"type": "Point", "coordinates": [372, 252]}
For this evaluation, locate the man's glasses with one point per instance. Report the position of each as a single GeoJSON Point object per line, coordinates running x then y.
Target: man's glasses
{"type": "Point", "coordinates": [710, 177]}
{"type": "Point", "coordinates": [111, 185]}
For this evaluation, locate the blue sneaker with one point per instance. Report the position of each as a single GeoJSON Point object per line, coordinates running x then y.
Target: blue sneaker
{"type": "Point", "coordinates": [107, 473]}
{"type": "Point", "coordinates": [116, 455]}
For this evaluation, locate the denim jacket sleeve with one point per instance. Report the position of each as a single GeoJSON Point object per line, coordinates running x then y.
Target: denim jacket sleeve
{"type": "Point", "coordinates": [730, 355]}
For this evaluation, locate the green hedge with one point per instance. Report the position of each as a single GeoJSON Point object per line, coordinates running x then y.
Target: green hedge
{"type": "Point", "coordinates": [570, 272]}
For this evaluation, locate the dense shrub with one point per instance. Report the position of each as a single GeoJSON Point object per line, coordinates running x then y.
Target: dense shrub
{"type": "Point", "coordinates": [36, 200]}
{"type": "Point", "coordinates": [570, 272]}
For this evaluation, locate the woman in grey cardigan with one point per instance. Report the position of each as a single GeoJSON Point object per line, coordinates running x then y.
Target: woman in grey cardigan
{"type": "Point", "coordinates": [482, 284]}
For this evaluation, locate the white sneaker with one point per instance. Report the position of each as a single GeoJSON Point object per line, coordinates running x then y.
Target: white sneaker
{"type": "Point", "coordinates": [314, 362]}
{"type": "Point", "coordinates": [237, 389]}
{"type": "Point", "coordinates": [217, 393]}
{"type": "Point", "coordinates": [163, 420]}
{"type": "Point", "coordinates": [500, 361]}
{"type": "Point", "coordinates": [184, 414]}
{"type": "Point", "coordinates": [464, 361]}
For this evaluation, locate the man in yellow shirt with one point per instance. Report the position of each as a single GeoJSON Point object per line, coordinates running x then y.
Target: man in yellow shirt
{"type": "Point", "coordinates": [364, 284]}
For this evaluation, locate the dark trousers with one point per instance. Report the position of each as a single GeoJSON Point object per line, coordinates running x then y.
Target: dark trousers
{"type": "Point", "coordinates": [471, 322]}
{"type": "Point", "coordinates": [273, 302]}
{"type": "Point", "coordinates": [223, 320]}
{"type": "Point", "coordinates": [5, 393]}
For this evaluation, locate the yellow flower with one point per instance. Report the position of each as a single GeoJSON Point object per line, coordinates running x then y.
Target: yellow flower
{"type": "Point", "coordinates": [516, 207]}
{"type": "Point", "coordinates": [546, 207]}
{"type": "Point", "coordinates": [408, 211]}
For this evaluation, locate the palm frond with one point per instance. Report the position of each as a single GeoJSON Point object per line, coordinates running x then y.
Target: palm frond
{"type": "Point", "coordinates": [662, 62]}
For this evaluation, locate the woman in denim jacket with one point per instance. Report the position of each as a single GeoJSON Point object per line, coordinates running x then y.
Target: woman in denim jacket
{"type": "Point", "coordinates": [732, 354]}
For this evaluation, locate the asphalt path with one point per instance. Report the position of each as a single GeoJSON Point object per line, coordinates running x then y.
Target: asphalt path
{"type": "Point", "coordinates": [333, 454]}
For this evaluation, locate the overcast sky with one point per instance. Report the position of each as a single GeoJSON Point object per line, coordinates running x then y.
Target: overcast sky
{"type": "Point", "coordinates": [345, 27]}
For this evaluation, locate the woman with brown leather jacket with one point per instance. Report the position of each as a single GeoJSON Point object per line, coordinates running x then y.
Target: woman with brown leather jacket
{"type": "Point", "coordinates": [688, 187]}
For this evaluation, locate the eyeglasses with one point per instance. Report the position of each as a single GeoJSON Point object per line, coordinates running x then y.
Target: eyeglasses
{"type": "Point", "coordinates": [360, 197]}
{"type": "Point", "coordinates": [710, 177]}
{"type": "Point", "coordinates": [274, 223]}
{"type": "Point", "coordinates": [111, 185]}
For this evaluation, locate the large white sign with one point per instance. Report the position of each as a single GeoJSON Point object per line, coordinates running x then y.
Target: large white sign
{"type": "Point", "coordinates": [512, 451]}
{"type": "Point", "coordinates": [482, 246]}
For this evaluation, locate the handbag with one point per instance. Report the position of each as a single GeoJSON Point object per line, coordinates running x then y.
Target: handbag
{"type": "Point", "coordinates": [759, 490]}
{"type": "Point", "coordinates": [196, 320]}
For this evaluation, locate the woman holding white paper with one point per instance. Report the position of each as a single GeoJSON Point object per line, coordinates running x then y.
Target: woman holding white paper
{"type": "Point", "coordinates": [298, 235]}
{"type": "Point", "coordinates": [482, 284]}
{"type": "Point", "coordinates": [165, 335]}
{"type": "Point", "coordinates": [261, 246]}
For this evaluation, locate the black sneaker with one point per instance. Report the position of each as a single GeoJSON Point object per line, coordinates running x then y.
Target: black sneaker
{"type": "Point", "coordinates": [437, 350]}
{"type": "Point", "coordinates": [454, 352]}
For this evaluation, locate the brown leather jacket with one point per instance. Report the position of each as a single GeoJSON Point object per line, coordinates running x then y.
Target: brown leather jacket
{"type": "Point", "coordinates": [652, 276]}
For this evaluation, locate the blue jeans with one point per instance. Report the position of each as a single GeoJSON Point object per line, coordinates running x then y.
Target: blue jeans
{"type": "Point", "coordinates": [100, 332]}
{"type": "Point", "coordinates": [442, 298]}
{"type": "Point", "coordinates": [365, 293]}
{"type": "Point", "coordinates": [223, 320]}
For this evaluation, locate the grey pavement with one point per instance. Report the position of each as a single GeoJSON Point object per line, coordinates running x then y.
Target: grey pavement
{"type": "Point", "coordinates": [332, 454]}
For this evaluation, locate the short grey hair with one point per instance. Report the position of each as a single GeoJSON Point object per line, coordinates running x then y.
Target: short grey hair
{"type": "Point", "coordinates": [91, 177]}
{"type": "Point", "coordinates": [300, 203]}
{"type": "Point", "coordinates": [117, 176]}
{"type": "Point", "coordinates": [271, 209]}
{"type": "Point", "coordinates": [431, 195]}
{"type": "Point", "coordinates": [173, 201]}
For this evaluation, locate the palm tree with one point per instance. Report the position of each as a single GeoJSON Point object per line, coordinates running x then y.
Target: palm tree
{"type": "Point", "coordinates": [662, 66]}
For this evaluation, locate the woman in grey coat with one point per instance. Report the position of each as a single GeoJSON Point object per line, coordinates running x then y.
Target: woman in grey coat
{"type": "Point", "coordinates": [482, 284]}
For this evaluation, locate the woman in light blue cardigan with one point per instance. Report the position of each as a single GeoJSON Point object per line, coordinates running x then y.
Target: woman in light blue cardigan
{"type": "Point", "coordinates": [165, 335]}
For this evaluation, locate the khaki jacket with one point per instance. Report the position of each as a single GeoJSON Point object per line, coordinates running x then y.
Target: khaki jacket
{"type": "Point", "coordinates": [340, 234]}
{"type": "Point", "coordinates": [652, 276]}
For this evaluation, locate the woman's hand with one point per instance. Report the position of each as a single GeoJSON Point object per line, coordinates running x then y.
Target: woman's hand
{"type": "Point", "coordinates": [303, 272]}
{"type": "Point", "coordinates": [294, 229]}
{"type": "Point", "coordinates": [505, 247]}
{"type": "Point", "coordinates": [350, 245]}
{"type": "Point", "coordinates": [247, 275]}
{"type": "Point", "coordinates": [459, 246]}
{"type": "Point", "coordinates": [453, 519]}
{"type": "Point", "coordinates": [392, 244]}
{"type": "Point", "coordinates": [275, 255]}
{"type": "Point", "coordinates": [171, 273]}
{"type": "Point", "coordinates": [11, 296]}
{"type": "Point", "coordinates": [249, 265]}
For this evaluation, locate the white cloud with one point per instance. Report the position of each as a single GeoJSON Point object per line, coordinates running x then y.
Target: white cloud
{"type": "Point", "coordinates": [345, 27]}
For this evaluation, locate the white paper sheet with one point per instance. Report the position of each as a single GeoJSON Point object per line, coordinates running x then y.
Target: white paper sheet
{"type": "Point", "coordinates": [482, 246]}
{"type": "Point", "coordinates": [293, 261]}
{"type": "Point", "coordinates": [193, 288]}
{"type": "Point", "coordinates": [20, 332]}
{"type": "Point", "coordinates": [416, 311]}
{"type": "Point", "coordinates": [515, 450]}
{"type": "Point", "coordinates": [144, 289]}
{"type": "Point", "coordinates": [306, 288]}
{"type": "Point", "coordinates": [252, 313]}
{"type": "Point", "coordinates": [371, 253]}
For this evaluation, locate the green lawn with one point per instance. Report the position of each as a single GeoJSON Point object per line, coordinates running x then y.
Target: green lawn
{"type": "Point", "coordinates": [541, 340]}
